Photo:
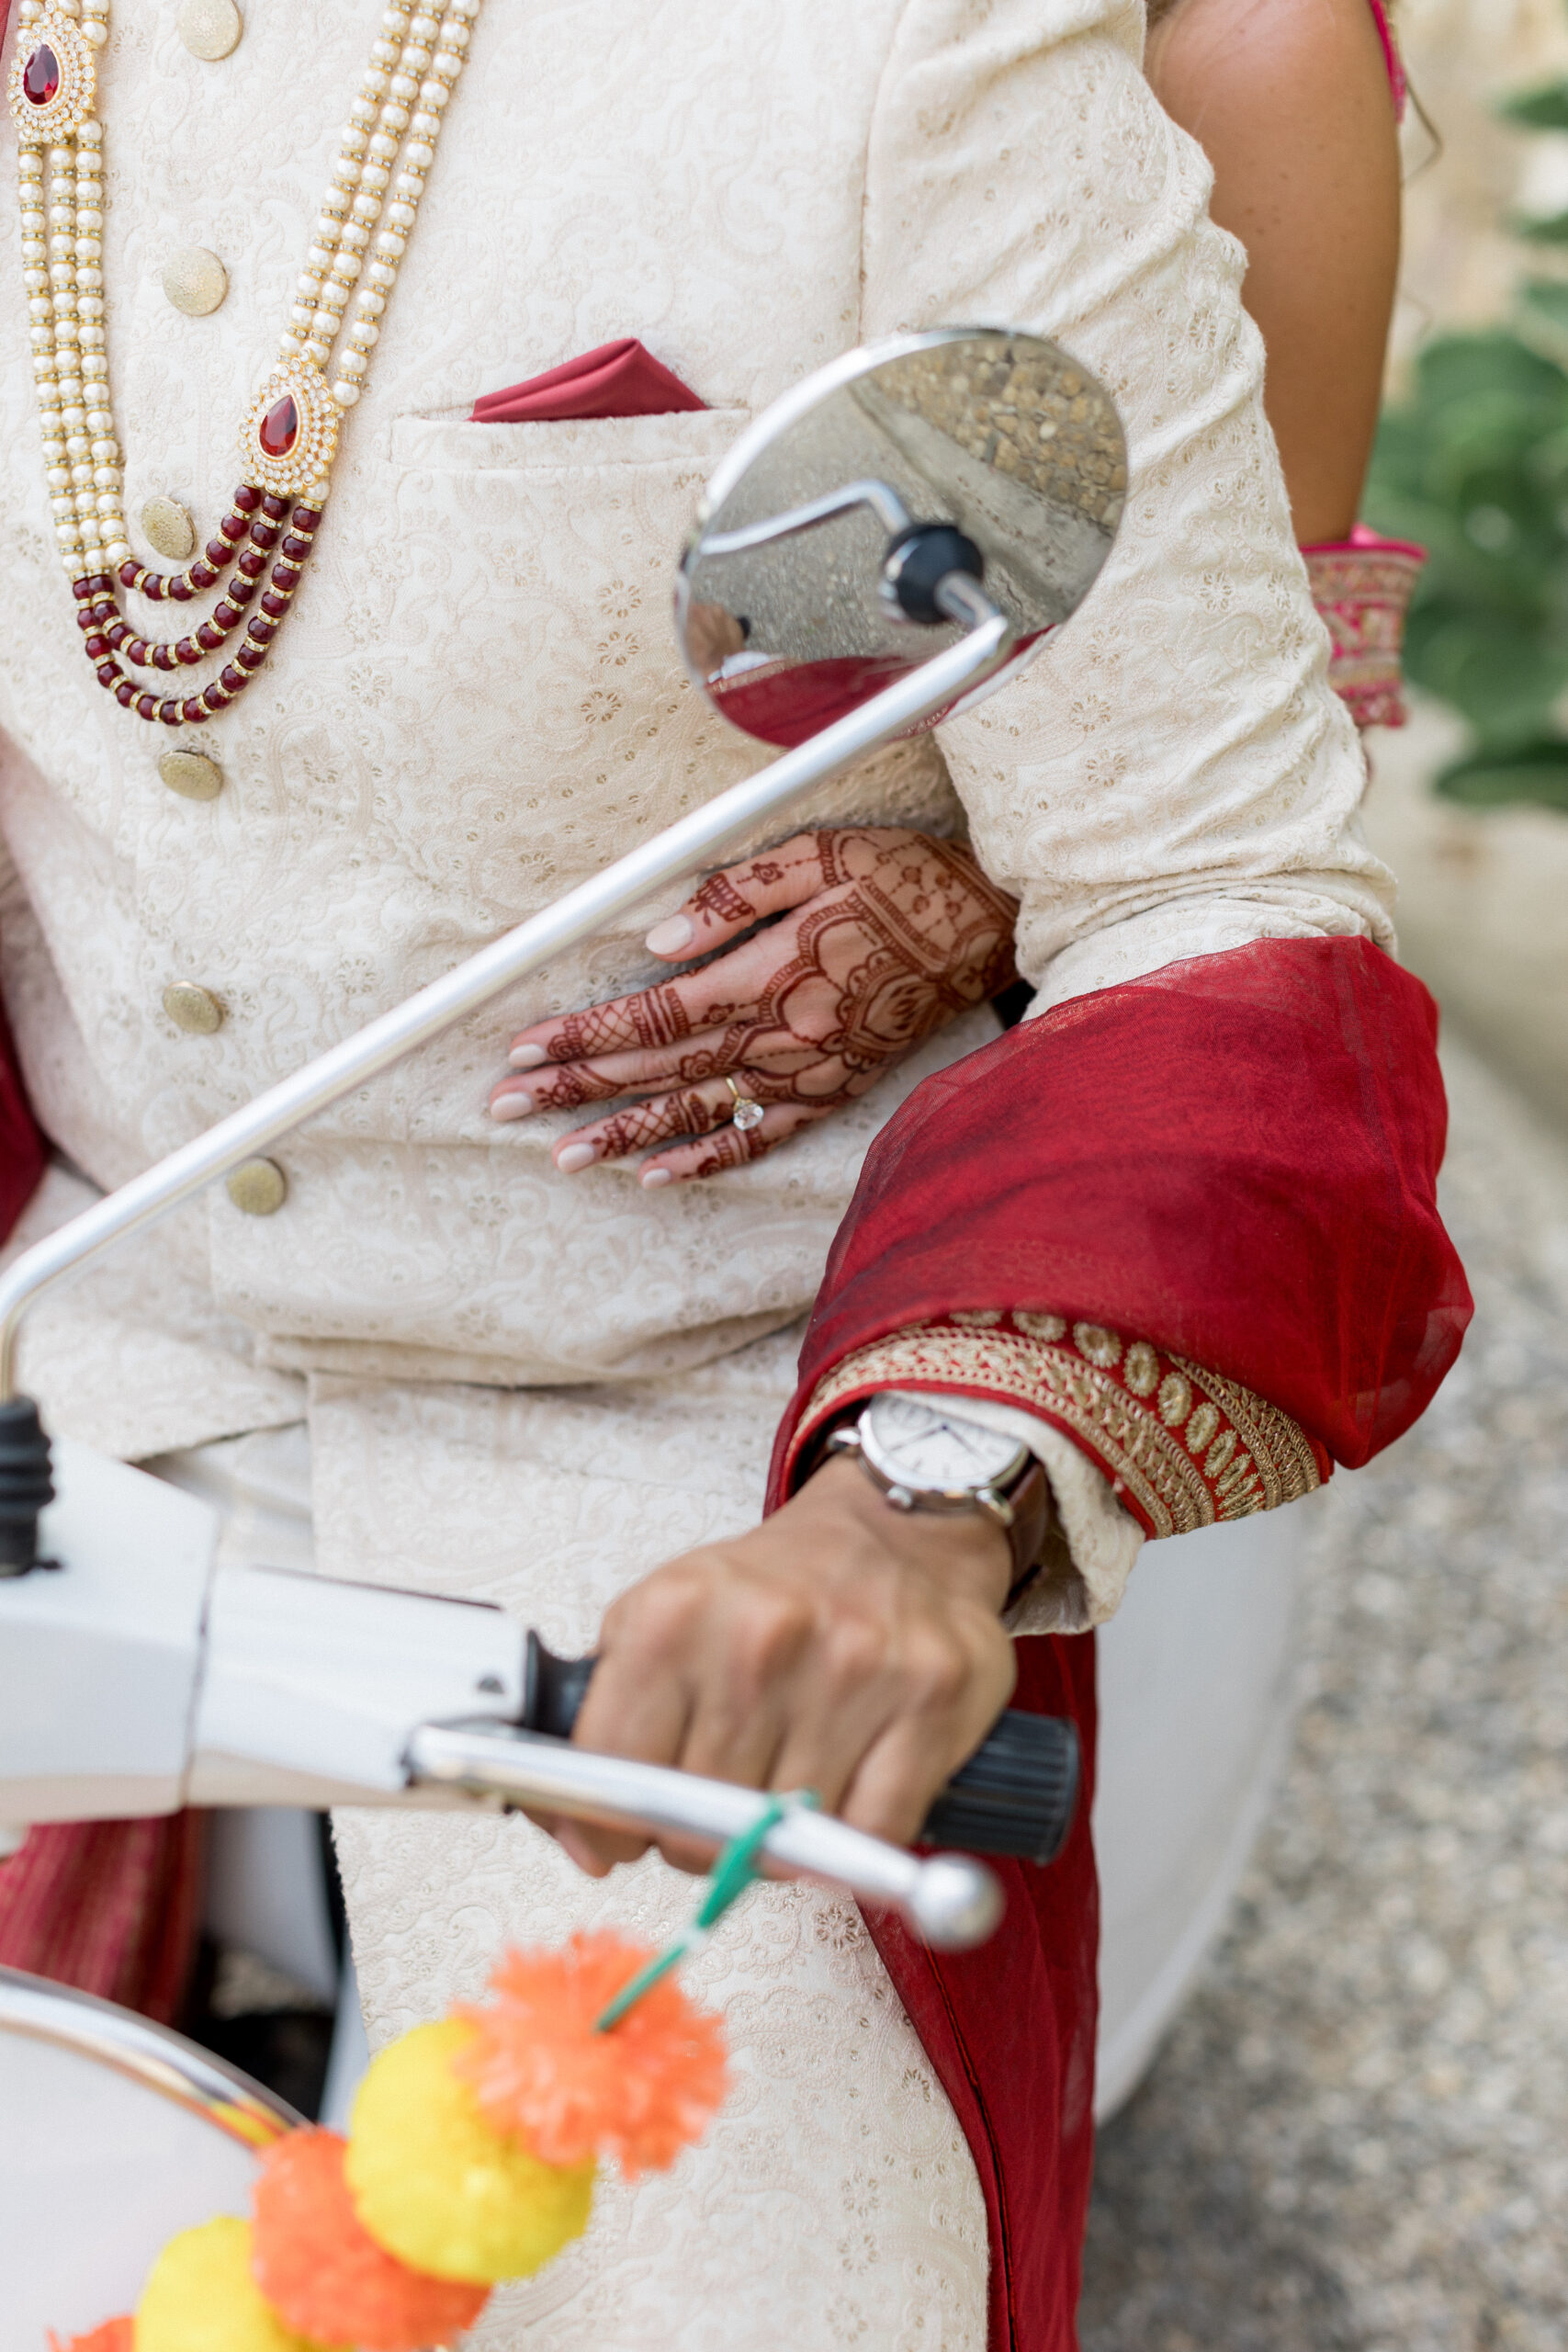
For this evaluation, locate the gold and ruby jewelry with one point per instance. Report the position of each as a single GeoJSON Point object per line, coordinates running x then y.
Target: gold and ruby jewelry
{"type": "Point", "coordinates": [291, 432]}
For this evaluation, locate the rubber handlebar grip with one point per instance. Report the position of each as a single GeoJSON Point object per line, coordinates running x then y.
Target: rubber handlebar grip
{"type": "Point", "coordinates": [1016, 1794]}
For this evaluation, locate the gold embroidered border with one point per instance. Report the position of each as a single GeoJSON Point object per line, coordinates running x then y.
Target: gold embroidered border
{"type": "Point", "coordinates": [1182, 1445]}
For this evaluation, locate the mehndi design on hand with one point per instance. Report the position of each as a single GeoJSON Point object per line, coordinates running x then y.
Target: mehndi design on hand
{"type": "Point", "coordinates": [872, 939]}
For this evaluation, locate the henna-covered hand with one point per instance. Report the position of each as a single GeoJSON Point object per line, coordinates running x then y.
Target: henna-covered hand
{"type": "Point", "coordinates": [881, 937]}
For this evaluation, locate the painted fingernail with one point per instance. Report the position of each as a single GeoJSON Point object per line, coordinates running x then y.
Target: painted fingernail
{"type": "Point", "coordinates": [573, 1157]}
{"type": "Point", "coordinates": [653, 1177]}
{"type": "Point", "coordinates": [577, 1850]}
{"type": "Point", "coordinates": [527, 1057]}
{"type": "Point", "coordinates": [515, 1106]}
{"type": "Point", "coordinates": [667, 938]}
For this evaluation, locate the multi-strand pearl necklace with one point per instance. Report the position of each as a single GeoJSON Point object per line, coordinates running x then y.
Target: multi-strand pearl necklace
{"type": "Point", "coordinates": [289, 437]}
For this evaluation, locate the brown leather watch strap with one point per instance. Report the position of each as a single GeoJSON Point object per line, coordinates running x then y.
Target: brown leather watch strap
{"type": "Point", "coordinates": [1032, 1511]}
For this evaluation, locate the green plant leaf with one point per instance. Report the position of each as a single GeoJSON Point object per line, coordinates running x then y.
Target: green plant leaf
{"type": "Point", "coordinates": [1542, 109]}
{"type": "Point", "coordinates": [1474, 467]}
{"type": "Point", "coordinates": [1543, 303]}
{"type": "Point", "coordinates": [1455, 366]}
{"type": "Point", "coordinates": [1504, 679]}
{"type": "Point", "coordinates": [1550, 230]}
{"type": "Point", "coordinates": [1534, 772]}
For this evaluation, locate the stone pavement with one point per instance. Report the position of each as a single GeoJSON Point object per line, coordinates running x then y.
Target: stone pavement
{"type": "Point", "coordinates": [1356, 2139]}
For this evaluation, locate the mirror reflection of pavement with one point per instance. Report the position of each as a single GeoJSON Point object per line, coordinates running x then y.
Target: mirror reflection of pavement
{"type": "Point", "coordinates": [1354, 2137]}
{"type": "Point", "coordinates": [1012, 440]}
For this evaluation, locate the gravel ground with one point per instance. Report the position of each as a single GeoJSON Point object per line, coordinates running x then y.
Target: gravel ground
{"type": "Point", "coordinates": [1356, 2136]}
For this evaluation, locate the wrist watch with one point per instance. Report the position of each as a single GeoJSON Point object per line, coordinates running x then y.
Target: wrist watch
{"type": "Point", "coordinates": [925, 1457]}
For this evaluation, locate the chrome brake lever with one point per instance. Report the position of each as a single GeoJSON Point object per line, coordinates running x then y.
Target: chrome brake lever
{"type": "Point", "coordinates": [951, 1901]}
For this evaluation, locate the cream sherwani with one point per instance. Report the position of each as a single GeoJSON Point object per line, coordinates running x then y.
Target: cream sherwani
{"type": "Point", "coordinates": [518, 1384]}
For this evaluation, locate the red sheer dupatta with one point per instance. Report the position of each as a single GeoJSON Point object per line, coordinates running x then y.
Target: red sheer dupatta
{"type": "Point", "coordinates": [22, 1151]}
{"type": "Point", "coordinates": [109, 1906]}
{"type": "Point", "coordinates": [1235, 1158]}
{"type": "Point", "coordinates": [1009, 2030]}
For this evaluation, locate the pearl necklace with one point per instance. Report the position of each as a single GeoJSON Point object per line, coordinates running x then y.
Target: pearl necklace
{"type": "Point", "coordinates": [289, 437]}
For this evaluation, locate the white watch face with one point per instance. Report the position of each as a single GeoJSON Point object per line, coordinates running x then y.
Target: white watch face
{"type": "Point", "coordinates": [921, 1446]}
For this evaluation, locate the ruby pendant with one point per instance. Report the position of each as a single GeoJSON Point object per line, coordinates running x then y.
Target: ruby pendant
{"type": "Point", "coordinates": [288, 435]}
{"type": "Point", "coordinates": [40, 76]}
{"type": "Point", "coordinates": [280, 428]}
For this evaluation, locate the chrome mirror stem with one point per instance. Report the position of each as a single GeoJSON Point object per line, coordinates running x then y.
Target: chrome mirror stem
{"type": "Point", "coordinates": [883, 502]}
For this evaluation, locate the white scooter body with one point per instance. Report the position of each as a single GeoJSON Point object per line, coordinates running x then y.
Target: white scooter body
{"type": "Point", "coordinates": [1197, 1703]}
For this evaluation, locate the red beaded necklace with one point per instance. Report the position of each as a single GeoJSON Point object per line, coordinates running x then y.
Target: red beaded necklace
{"type": "Point", "coordinates": [255, 517]}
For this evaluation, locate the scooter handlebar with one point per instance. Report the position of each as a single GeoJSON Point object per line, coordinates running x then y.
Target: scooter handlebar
{"type": "Point", "coordinates": [1016, 1794]}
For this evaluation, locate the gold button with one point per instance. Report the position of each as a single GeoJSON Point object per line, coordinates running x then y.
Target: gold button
{"type": "Point", "coordinates": [210, 28]}
{"type": "Point", "coordinates": [192, 774]}
{"type": "Point", "coordinates": [168, 528]}
{"type": "Point", "coordinates": [258, 1187]}
{"type": "Point", "coordinates": [194, 1010]}
{"type": "Point", "coordinates": [195, 281]}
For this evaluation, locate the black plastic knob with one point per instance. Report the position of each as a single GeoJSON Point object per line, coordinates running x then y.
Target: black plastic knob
{"type": "Point", "coordinates": [1016, 1795]}
{"type": "Point", "coordinates": [553, 1688]}
{"type": "Point", "coordinates": [26, 1485]}
{"type": "Point", "coordinates": [919, 559]}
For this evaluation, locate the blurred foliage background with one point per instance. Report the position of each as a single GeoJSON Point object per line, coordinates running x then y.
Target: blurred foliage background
{"type": "Point", "coordinates": [1473, 463]}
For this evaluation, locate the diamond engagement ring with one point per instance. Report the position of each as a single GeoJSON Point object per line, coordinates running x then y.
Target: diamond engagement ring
{"type": "Point", "coordinates": [747, 1114]}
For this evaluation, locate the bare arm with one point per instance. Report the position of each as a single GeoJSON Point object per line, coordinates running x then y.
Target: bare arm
{"type": "Point", "coordinates": [1289, 100]}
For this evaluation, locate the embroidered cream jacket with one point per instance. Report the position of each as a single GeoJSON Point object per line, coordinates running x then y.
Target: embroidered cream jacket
{"type": "Point", "coordinates": [478, 700]}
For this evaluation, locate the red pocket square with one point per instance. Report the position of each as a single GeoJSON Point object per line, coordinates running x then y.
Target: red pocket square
{"type": "Point", "coordinates": [618, 380]}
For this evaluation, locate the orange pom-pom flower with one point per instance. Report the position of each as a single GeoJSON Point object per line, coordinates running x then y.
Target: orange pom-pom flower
{"type": "Point", "coordinates": [323, 2272]}
{"type": "Point", "coordinates": [115, 2336]}
{"type": "Point", "coordinates": [640, 2093]}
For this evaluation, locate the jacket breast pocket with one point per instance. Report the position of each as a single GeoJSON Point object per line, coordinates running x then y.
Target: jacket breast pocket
{"type": "Point", "coordinates": [448, 445]}
{"type": "Point", "coordinates": [530, 637]}
{"type": "Point", "coordinates": [537, 567]}
{"type": "Point", "coordinates": [539, 528]}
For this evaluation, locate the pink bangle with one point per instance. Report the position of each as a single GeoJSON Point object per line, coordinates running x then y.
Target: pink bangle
{"type": "Point", "coordinates": [1362, 588]}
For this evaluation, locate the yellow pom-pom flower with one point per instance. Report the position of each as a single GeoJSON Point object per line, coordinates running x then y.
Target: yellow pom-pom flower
{"type": "Point", "coordinates": [201, 2297]}
{"type": "Point", "coordinates": [435, 2185]}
